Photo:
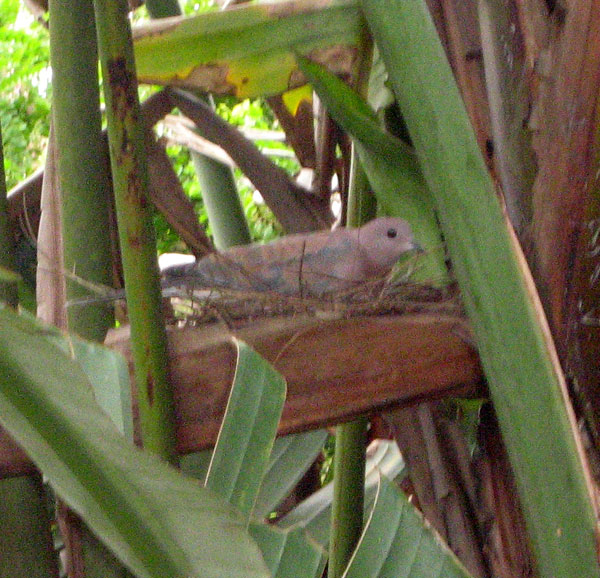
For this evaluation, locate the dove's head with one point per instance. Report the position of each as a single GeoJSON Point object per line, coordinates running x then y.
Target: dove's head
{"type": "Point", "coordinates": [385, 240]}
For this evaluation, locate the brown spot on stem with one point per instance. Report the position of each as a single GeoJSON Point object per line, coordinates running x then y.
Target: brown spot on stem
{"type": "Point", "coordinates": [135, 242]}
{"type": "Point", "coordinates": [123, 86]}
{"type": "Point", "coordinates": [150, 389]}
{"type": "Point", "coordinates": [117, 72]}
{"type": "Point", "coordinates": [134, 189]}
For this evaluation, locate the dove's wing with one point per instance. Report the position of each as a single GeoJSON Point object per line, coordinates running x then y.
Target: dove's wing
{"type": "Point", "coordinates": [304, 264]}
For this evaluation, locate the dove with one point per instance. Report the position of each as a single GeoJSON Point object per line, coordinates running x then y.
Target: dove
{"type": "Point", "coordinates": [307, 264]}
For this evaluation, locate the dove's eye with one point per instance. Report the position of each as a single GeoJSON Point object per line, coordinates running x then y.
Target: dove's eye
{"type": "Point", "coordinates": [391, 233]}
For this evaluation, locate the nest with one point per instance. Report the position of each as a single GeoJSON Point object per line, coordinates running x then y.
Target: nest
{"type": "Point", "coordinates": [371, 298]}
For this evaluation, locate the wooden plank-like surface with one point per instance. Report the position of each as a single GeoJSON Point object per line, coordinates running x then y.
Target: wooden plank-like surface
{"type": "Point", "coordinates": [335, 369]}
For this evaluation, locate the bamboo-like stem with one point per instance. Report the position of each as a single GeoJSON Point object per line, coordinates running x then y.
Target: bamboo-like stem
{"type": "Point", "coordinates": [83, 173]}
{"type": "Point", "coordinates": [350, 438]}
{"type": "Point", "coordinates": [136, 232]}
{"type": "Point", "coordinates": [222, 202]}
{"type": "Point", "coordinates": [85, 188]}
{"type": "Point", "coordinates": [25, 540]}
{"type": "Point", "coordinates": [348, 494]}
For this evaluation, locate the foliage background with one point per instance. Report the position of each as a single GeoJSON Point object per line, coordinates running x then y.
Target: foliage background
{"type": "Point", "coordinates": [25, 94]}
{"type": "Point", "coordinates": [25, 90]}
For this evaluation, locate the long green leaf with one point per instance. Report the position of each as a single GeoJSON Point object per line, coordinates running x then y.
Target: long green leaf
{"type": "Point", "coordinates": [359, 119]}
{"type": "Point", "coordinates": [289, 553]}
{"type": "Point", "coordinates": [398, 542]}
{"type": "Point", "coordinates": [292, 455]}
{"type": "Point", "coordinates": [520, 364]}
{"type": "Point", "coordinates": [391, 167]}
{"type": "Point", "coordinates": [106, 371]}
{"type": "Point", "coordinates": [108, 375]}
{"type": "Point", "coordinates": [248, 430]}
{"type": "Point", "coordinates": [157, 521]}
{"type": "Point", "coordinates": [247, 51]}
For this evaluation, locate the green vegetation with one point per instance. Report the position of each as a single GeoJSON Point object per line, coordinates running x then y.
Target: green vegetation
{"type": "Point", "coordinates": [25, 90]}
{"type": "Point", "coordinates": [68, 404]}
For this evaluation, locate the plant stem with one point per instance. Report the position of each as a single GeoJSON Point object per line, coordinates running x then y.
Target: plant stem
{"type": "Point", "coordinates": [348, 494]}
{"type": "Point", "coordinates": [222, 202]}
{"type": "Point", "coordinates": [83, 174]}
{"type": "Point", "coordinates": [136, 230]}
{"type": "Point", "coordinates": [350, 438]}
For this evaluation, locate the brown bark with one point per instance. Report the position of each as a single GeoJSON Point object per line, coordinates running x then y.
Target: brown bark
{"type": "Point", "coordinates": [566, 205]}
{"type": "Point", "coordinates": [364, 365]}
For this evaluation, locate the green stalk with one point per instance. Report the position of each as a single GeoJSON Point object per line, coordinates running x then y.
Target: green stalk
{"type": "Point", "coordinates": [520, 363]}
{"type": "Point", "coordinates": [222, 202]}
{"type": "Point", "coordinates": [348, 494]}
{"type": "Point", "coordinates": [82, 170]}
{"type": "Point", "coordinates": [25, 540]}
{"type": "Point", "coordinates": [136, 231]}
{"type": "Point", "coordinates": [350, 438]}
{"type": "Point", "coordinates": [85, 189]}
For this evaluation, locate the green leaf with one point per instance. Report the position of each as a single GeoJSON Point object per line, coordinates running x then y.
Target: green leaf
{"type": "Point", "coordinates": [525, 381]}
{"type": "Point", "coordinates": [106, 371]}
{"type": "Point", "coordinates": [248, 430]}
{"type": "Point", "coordinates": [8, 276]}
{"type": "Point", "coordinates": [196, 464]}
{"type": "Point", "coordinates": [314, 513]}
{"type": "Point", "coordinates": [291, 457]}
{"type": "Point", "coordinates": [289, 553]}
{"type": "Point", "coordinates": [358, 119]}
{"type": "Point", "coordinates": [248, 51]}
{"type": "Point", "coordinates": [109, 377]}
{"type": "Point", "coordinates": [398, 541]}
{"type": "Point", "coordinates": [157, 521]}
{"type": "Point", "coordinates": [391, 167]}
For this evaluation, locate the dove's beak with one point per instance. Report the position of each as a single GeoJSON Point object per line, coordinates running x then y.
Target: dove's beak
{"type": "Point", "coordinates": [417, 248]}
